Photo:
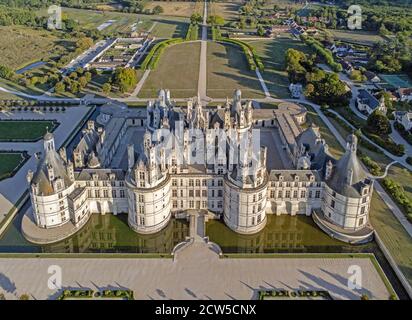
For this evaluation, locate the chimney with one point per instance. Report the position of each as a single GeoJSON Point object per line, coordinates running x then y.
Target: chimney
{"type": "Point", "coordinates": [63, 154]}
{"type": "Point", "coordinates": [349, 177]}
{"type": "Point", "coordinates": [29, 176]}
{"type": "Point", "coordinates": [130, 155]}
{"type": "Point", "coordinates": [328, 171]}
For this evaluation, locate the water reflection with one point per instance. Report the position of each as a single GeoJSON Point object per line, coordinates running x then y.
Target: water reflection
{"type": "Point", "coordinates": [283, 234]}
{"type": "Point", "coordinates": [106, 233]}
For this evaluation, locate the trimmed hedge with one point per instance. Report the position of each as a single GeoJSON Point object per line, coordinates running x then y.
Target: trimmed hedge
{"type": "Point", "coordinates": [153, 57]}
{"type": "Point", "coordinates": [326, 54]}
{"type": "Point", "coordinates": [294, 294]}
{"type": "Point", "coordinates": [216, 35]}
{"type": "Point", "coordinates": [192, 32]}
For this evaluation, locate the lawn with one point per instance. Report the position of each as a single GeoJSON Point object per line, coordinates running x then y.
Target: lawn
{"type": "Point", "coordinates": [178, 71]}
{"type": "Point", "coordinates": [358, 37]}
{"type": "Point", "coordinates": [21, 46]}
{"type": "Point", "coordinates": [9, 162]}
{"type": "Point", "coordinates": [393, 235]}
{"type": "Point", "coordinates": [272, 52]}
{"type": "Point", "coordinates": [163, 26]}
{"type": "Point", "coordinates": [24, 130]}
{"type": "Point", "coordinates": [227, 70]}
{"type": "Point", "coordinates": [176, 8]}
{"type": "Point", "coordinates": [227, 10]}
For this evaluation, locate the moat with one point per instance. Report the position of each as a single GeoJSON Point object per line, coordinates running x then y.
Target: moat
{"type": "Point", "coordinates": [109, 233]}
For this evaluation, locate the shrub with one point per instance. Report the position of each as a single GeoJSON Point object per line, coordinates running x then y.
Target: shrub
{"type": "Point", "coordinates": [373, 167]}
{"type": "Point", "coordinates": [24, 296]}
{"type": "Point", "coordinates": [399, 195]}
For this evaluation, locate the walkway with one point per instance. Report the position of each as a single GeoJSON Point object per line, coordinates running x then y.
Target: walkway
{"type": "Point", "coordinates": [202, 83]}
{"type": "Point", "coordinates": [196, 273]}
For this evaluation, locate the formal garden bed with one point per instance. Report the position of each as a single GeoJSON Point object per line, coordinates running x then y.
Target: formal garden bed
{"type": "Point", "coordinates": [91, 294]}
{"type": "Point", "coordinates": [298, 294]}
{"type": "Point", "coordinates": [11, 162]}
{"type": "Point", "coordinates": [25, 130]}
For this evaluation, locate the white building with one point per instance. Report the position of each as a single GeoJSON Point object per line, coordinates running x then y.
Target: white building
{"type": "Point", "coordinates": [155, 163]}
{"type": "Point", "coordinates": [368, 103]}
{"type": "Point", "coordinates": [404, 118]}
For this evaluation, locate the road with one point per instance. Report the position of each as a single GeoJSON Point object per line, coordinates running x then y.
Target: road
{"type": "Point", "coordinates": [202, 83]}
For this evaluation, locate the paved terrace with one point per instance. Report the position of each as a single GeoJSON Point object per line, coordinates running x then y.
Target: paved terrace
{"type": "Point", "coordinates": [196, 272]}
{"type": "Point", "coordinates": [13, 188]}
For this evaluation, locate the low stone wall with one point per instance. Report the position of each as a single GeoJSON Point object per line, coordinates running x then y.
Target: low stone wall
{"type": "Point", "coordinates": [393, 264]}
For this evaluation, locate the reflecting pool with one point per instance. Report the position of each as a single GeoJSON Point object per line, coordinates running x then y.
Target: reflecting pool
{"type": "Point", "coordinates": [102, 233]}
{"type": "Point", "coordinates": [282, 234]}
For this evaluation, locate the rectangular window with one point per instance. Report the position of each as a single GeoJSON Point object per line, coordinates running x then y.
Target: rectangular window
{"type": "Point", "coordinates": [190, 193]}
{"type": "Point", "coordinates": [303, 193]}
{"type": "Point", "coordinates": [174, 193]}
{"type": "Point", "coordinates": [121, 193]}
{"type": "Point", "coordinates": [191, 183]}
{"type": "Point", "coordinates": [220, 183]}
{"type": "Point", "coordinates": [332, 203]}
{"type": "Point", "coordinates": [287, 194]}
{"type": "Point", "coordinates": [295, 194]}
{"type": "Point", "coordinates": [317, 195]}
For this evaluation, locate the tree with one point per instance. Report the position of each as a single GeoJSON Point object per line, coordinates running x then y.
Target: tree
{"type": "Point", "coordinates": [356, 75]}
{"type": "Point", "coordinates": [157, 10]}
{"type": "Point", "coordinates": [74, 87]}
{"type": "Point", "coordinates": [328, 88]}
{"type": "Point", "coordinates": [216, 20]}
{"type": "Point", "coordinates": [106, 88]}
{"type": "Point", "coordinates": [378, 123]}
{"type": "Point", "coordinates": [60, 87]}
{"type": "Point", "coordinates": [24, 296]}
{"type": "Point", "coordinates": [84, 43]}
{"type": "Point", "coordinates": [260, 31]}
{"type": "Point", "coordinates": [195, 18]}
{"type": "Point", "coordinates": [88, 76]}
{"type": "Point", "coordinates": [83, 82]}
{"type": "Point", "coordinates": [125, 79]}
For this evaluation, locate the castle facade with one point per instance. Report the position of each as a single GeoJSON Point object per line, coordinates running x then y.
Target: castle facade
{"type": "Point", "coordinates": [236, 161]}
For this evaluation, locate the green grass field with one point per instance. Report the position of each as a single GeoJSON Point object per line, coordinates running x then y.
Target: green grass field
{"type": "Point", "coordinates": [8, 162]}
{"type": "Point", "coordinates": [166, 26]}
{"type": "Point", "coordinates": [176, 8]}
{"type": "Point", "coordinates": [227, 10]}
{"type": "Point", "coordinates": [393, 235]}
{"type": "Point", "coordinates": [357, 37]}
{"type": "Point", "coordinates": [227, 70]}
{"type": "Point", "coordinates": [24, 130]}
{"type": "Point", "coordinates": [178, 71]}
{"type": "Point", "coordinates": [21, 46]}
{"type": "Point", "coordinates": [272, 52]}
